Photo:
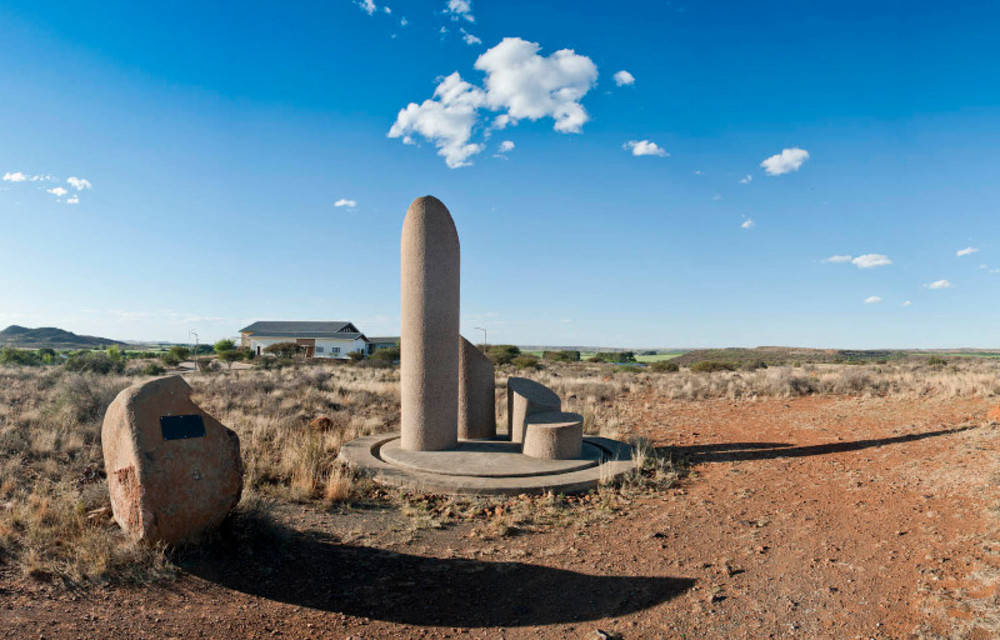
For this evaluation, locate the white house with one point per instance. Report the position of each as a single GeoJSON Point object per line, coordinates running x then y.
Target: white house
{"type": "Point", "coordinates": [319, 339]}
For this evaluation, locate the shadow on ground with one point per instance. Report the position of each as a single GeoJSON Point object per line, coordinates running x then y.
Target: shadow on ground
{"type": "Point", "coordinates": [740, 451]}
{"type": "Point", "coordinates": [409, 589]}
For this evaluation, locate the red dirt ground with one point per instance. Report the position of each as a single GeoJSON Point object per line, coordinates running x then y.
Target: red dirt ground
{"type": "Point", "coordinates": [815, 517]}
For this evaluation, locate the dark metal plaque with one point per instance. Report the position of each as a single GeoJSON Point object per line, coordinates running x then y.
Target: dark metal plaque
{"type": "Point", "coordinates": [182, 427]}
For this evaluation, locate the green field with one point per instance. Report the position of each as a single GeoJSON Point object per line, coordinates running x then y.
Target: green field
{"type": "Point", "coordinates": [660, 357]}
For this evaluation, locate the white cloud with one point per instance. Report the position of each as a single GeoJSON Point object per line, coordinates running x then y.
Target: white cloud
{"type": "Point", "coordinates": [460, 9]}
{"type": "Point", "coordinates": [624, 78]}
{"type": "Point", "coordinates": [506, 146]}
{"type": "Point", "coordinates": [78, 183]}
{"type": "Point", "coordinates": [469, 38]}
{"type": "Point", "coordinates": [644, 148]}
{"type": "Point", "coordinates": [747, 179]}
{"type": "Point", "coordinates": [871, 260]}
{"type": "Point", "coordinates": [747, 224]}
{"type": "Point", "coordinates": [73, 199]}
{"type": "Point", "coordinates": [939, 284]}
{"type": "Point", "coordinates": [527, 85]}
{"type": "Point", "coordinates": [838, 259]}
{"type": "Point", "coordinates": [698, 172]}
{"type": "Point", "coordinates": [57, 191]}
{"type": "Point", "coordinates": [403, 21]}
{"type": "Point", "coordinates": [873, 300]}
{"type": "Point", "coordinates": [907, 303]}
{"type": "Point", "coordinates": [387, 9]}
{"type": "Point", "coordinates": [17, 176]}
{"type": "Point", "coordinates": [787, 161]}
{"type": "Point", "coordinates": [446, 120]}
{"type": "Point", "coordinates": [519, 83]}
{"type": "Point", "coordinates": [367, 6]}
{"type": "Point", "coordinates": [968, 251]}
{"type": "Point", "coordinates": [344, 202]}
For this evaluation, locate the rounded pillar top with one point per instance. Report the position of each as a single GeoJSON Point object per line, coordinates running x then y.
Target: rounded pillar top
{"type": "Point", "coordinates": [427, 216]}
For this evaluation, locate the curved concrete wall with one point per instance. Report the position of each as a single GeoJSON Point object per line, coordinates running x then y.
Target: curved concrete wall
{"type": "Point", "coordinates": [477, 418]}
{"type": "Point", "coordinates": [431, 261]}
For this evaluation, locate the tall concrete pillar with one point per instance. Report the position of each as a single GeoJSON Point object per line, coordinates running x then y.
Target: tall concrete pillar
{"type": "Point", "coordinates": [477, 414]}
{"type": "Point", "coordinates": [429, 338]}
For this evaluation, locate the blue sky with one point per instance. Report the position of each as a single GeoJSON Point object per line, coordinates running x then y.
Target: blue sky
{"type": "Point", "coordinates": [695, 201]}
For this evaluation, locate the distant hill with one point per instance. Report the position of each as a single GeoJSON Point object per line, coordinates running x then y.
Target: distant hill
{"type": "Point", "coordinates": [25, 338]}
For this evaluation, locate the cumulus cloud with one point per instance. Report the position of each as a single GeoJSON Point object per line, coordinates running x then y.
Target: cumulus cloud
{"type": "Point", "coordinates": [787, 161]}
{"type": "Point", "coordinates": [907, 303]}
{"type": "Point", "coordinates": [747, 224]}
{"type": "Point", "coordinates": [873, 300]}
{"type": "Point", "coordinates": [16, 176]}
{"type": "Point", "coordinates": [838, 259]}
{"type": "Point", "coordinates": [57, 191]}
{"type": "Point", "coordinates": [73, 199]}
{"type": "Point", "coordinates": [78, 183]}
{"type": "Point", "coordinates": [506, 146]}
{"type": "Point", "coordinates": [644, 148]}
{"type": "Point", "coordinates": [871, 260]}
{"type": "Point", "coordinates": [446, 120]}
{"type": "Point", "coordinates": [968, 251]}
{"type": "Point", "coordinates": [367, 6]}
{"type": "Point", "coordinates": [746, 179]}
{"type": "Point", "coordinates": [527, 85]}
{"type": "Point", "coordinates": [519, 84]}
{"type": "Point", "coordinates": [344, 202]}
{"type": "Point", "coordinates": [624, 78]}
{"type": "Point", "coordinates": [460, 9]}
{"type": "Point", "coordinates": [939, 284]}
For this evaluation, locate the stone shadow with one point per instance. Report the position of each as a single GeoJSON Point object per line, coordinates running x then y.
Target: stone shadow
{"type": "Point", "coordinates": [742, 451]}
{"type": "Point", "coordinates": [395, 587]}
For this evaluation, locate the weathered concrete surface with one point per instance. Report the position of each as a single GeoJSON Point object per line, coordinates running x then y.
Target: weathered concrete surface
{"type": "Point", "coordinates": [553, 436]}
{"type": "Point", "coordinates": [167, 490]}
{"type": "Point", "coordinates": [431, 263]}
{"type": "Point", "coordinates": [524, 398]}
{"type": "Point", "coordinates": [477, 416]}
{"type": "Point", "coordinates": [485, 459]}
{"type": "Point", "coordinates": [364, 454]}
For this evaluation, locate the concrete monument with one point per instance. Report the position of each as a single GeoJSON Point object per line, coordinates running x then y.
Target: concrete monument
{"type": "Point", "coordinates": [524, 398]}
{"type": "Point", "coordinates": [429, 336]}
{"type": "Point", "coordinates": [555, 435]}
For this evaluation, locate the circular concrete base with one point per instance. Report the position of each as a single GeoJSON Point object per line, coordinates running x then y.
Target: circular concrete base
{"type": "Point", "coordinates": [486, 467]}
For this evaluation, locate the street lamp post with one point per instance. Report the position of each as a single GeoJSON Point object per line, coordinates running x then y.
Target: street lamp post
{"type": "Point", "coordinates": [486, 344]}
{"type": "Point", "coordinates": [193, 333]}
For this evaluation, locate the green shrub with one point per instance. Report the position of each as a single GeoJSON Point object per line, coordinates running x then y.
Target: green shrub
{"type": "Point", "coordinates": [526, 361]}
{"type": "Point", "coordinates": [936, 361]}
{"type": "Point", "coordinates": [94, 362]}
{"type": "Point", "coordinates": [709, 366]}
{"type": "Point", "coordinates": [19, 357]}
{"type": "Point", "coordinates": [613, 356]}
{"type": "Point", "coordinates": [284, 349]}
{"type": "Point", "coordinates": [170, 359]}
{"type": "Point", "coordinates": [153, 369]}
{"type": "Point", "coordinates": [224, 345]}
{"type": "Point", "coordinates": [503, 353]}
{"type": "Point", "coordinates": [389, 355]}
{"type": "Point", "coordinates": [182, 352]}
{"type": "Point", "coordinates": [561, 356]}
{"type": "Point", "coordinates": [628, 368]}
{"type": "Point", "coordinates": [356, 356]}
{"type": "Point", "coordinates": [664, 366]}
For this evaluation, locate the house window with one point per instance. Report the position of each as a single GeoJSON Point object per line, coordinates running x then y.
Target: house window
{"type": "Point", "coordinates": [334, 349]}
{"type": "Point", "coordinates": [319, 349]}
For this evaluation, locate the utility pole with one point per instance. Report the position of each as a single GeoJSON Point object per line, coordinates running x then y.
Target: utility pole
{"type": "Point", "coordinates": [192, 333]}
{"type": "Point", "coordinates": [486, 344]}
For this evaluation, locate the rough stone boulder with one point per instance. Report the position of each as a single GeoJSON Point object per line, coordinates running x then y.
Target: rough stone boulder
{"type": "Point", "coordinates": [993, 414]}
{"type": "Point", "coordinates": [555, 435]}
{"type": "Point", "coordinates": [524, 398]}
{"type": "Point", "coordinates": [476, 393]}
{"type": "Point", "coordinates": [173, 470]}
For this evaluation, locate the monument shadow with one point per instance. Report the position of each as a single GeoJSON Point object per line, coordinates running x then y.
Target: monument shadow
{"type": "Point", "coordinates": [745, 451]}
{"type": "Point", "coordinates": [408, 589]}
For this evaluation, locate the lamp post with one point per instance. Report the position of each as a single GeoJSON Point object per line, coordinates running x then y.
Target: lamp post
{"type": "Point", "coordinates": [193, 333]}
{"type": "Point", "coordinates": [486, 344]}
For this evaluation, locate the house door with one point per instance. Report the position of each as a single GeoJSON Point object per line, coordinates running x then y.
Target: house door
{"type": "Point", "coordinates": [309, 344]}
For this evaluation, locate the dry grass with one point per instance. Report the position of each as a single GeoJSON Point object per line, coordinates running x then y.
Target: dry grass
{"type": "Point", "coordinates": [53, 499]}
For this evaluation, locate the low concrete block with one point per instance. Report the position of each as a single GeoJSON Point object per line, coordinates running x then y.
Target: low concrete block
{"type": "Point", "coordinates": [525, 398]}
{"type": "Point", "coordinates": [477, 416]}
{"type": "Point", "coordinates": [173, 470]}
{"type": "Point", "coordinates": [553, 436]}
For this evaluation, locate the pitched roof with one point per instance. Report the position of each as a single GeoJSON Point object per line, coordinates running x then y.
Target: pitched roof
{"type": "Point", "coordinates": [304, 329]}
{"type": "Point", "coordinates": [385, 339]}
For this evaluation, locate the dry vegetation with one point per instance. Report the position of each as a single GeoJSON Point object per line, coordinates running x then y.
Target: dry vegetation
{"type": "Point", "coordinates": [54, 510]}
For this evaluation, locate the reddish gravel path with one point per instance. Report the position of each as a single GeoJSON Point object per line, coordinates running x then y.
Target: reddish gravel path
{"type": "Point", "coordinates": [808, 518]}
